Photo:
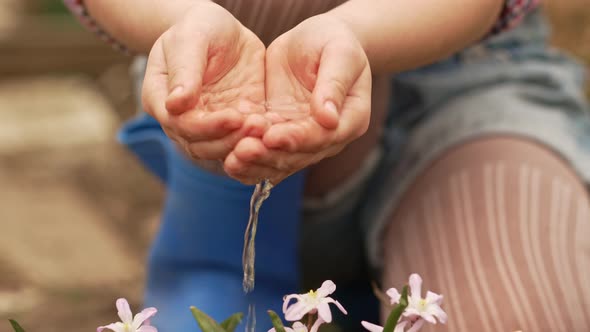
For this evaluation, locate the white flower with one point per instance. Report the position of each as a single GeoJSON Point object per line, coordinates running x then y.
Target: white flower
{"type": "Point", "coordinates": [312, 302]}
{"type": "Point", "coordinates": [394, 295]}
{"type": "Point", "coordinates": [419, 309]}
{"type": "Point", "coordinates": [372, 327]}
{"type": "Point", "coordinates": [139, 323]}
{"type": "Point", "coordinates": [297, 327]}
{"type": "Point", "coordinates": [316, 326]}
{"type": "Point", "coordinates": [426, 308]}
{"type": "Point", "coordinates": [376, 328]}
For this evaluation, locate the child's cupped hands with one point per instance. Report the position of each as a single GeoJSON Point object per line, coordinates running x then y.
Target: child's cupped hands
{"type": "Point", "coordinates": [266, 113]}
{"type": "Point", "coordinates": [204, 82]}
{"type": "Point", "coordinates": [318, 93]}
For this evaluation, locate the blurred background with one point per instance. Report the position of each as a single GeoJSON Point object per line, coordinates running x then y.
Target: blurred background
{"type": "Point", "coordinates": [77, 212]}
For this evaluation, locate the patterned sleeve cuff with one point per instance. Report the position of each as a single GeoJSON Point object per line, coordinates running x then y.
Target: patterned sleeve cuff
{"type": "Point", "coordinates": [78, 8]}
{"type": "Point", "coordinates": [512, 14]}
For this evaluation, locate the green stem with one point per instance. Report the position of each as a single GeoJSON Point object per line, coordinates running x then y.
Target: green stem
{"type": "Point", "coordinates": [397, 311]}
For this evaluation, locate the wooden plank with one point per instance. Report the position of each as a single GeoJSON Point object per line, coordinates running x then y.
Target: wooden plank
{"type": "Point", "coordinates": [53, 44]}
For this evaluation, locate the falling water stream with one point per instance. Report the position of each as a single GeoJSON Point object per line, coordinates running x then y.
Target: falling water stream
{"type": "Point", "coordinates": [288, 110]}
{"type": "Point", "coordinates": [261, 193]}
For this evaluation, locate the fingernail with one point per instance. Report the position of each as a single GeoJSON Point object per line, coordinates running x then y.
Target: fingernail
{"type": "Point", "coordinates": [330, 107]}
{"type": "Point", "coordinates": [176, 91]}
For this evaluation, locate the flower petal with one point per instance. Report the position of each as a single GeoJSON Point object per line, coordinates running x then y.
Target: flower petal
{"type": "Point", "coordinates": [411, 312]}
{"type": "Point", "coordinates": [417, 326]}
{"type": "Point", "coordinates": [297, 311]}
{"type": "Point", "coordinates": [288, 299]}
{"type": "Point", "coordinates": [436, 311]}
{"type": "Point", "coordinates": [427, 316]}
{"type": "Point", "coordinates": [400, 326]}
{"type": "Point", "coordinates": [299, 327]}
{"type": "Point", "coordinates": [124, 311]}
{"type": "Point", "coordinates": [144, 315]}
{"type": "Point", "coordinates": [147, 328]}
{"type": "Point", "coordinates": [372, 327]}
{"type": "Point", "coordinates": [433, 298]}
{"type": "Point", "coordinates": [116, 327]}
{"type": "Point", "coordinates": [317, 324]}
{"type": "Point", "coordinates": [324, 312]}
{"type": "Point", "coordinates": [416, 286]}
{"type": "Point", "coordinates": [394, 295]}
{"type": "Point", "coordinates": [331, 300]}
{"type": "Point", "coordinates": [328, 287]}
{"type": "Point", "coordinates": [287, 329]}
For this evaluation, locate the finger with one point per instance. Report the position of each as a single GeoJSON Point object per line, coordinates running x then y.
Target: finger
{"type": "Point", "coordinates": [186, 59]}
{"type": "Point", "coordinates": [213, 166]}
{"type": "Point", "coordinates": [155, 85]}
{"type": "Point", "coordinates": [253, 153]}
{"type": "Point", "coordinates": [215, 149]}
{"type": "Point", "coordinates": [340, 67]}
{"type": "Point", "coordinates": [250, 173]}
{"type": "Point", "coordinates": [256, 125]}
{"type": "Point", "coordinates": [200, 126]}
{"type": "Point", "coordinates": [299, 136]}
{"type": "Point", "coordinates": [211, 149]}
{"type": "Point", "coordinates": [355, 114]}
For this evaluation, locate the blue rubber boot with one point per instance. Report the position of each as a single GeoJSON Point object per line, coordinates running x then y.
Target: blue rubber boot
{"type": "Point", "coordinates": [196, 259]}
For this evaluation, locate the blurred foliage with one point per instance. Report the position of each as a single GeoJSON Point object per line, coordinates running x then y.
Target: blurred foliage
{"type": "Point", "coordinates": [50, 7]}
{"type": "Point", "coordinates": [54, 7]}
{"type": "Point", "coordinates": [56, 11]}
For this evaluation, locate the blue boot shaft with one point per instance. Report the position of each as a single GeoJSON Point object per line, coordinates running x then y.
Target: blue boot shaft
{"type": "Point", "coordinates": [196, 258]}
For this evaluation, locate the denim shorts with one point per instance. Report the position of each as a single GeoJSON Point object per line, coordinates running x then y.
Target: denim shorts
{"type": "Point", "coordinates": [511, 84]}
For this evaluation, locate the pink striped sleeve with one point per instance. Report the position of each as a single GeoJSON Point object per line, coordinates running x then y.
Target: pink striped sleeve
{"type": "Point", "coordinates": [78, 8]}
{"type": "Point", "coordinates": [512, 14]}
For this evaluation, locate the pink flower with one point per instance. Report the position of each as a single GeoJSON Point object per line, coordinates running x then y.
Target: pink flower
{"type": "Point", "coordinates": [312, 302]}
{"type": "Point", "coordinates": [128, 322]}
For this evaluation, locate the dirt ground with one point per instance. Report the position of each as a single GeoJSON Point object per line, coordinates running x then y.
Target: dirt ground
{"type": "Point", "coordinates": [76, 210]}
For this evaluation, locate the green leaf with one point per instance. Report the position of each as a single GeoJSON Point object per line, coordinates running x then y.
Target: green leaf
{"type": "Point", "coordinates": [16, 326]}
{"type": "Point", "coordinates": [397, 311]}
{"type": "Point", "coordinates": [206, 323]}
{"type": "Point", "coordinates": [277, 323]}
{"type": "Point", "coordinates": [230, 324]}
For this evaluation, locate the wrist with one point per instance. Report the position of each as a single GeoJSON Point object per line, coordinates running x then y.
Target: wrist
{"type": "Point", "coordinates": [354, 21]}
{"type": "Point", "coordinates": [333, 26]}
{"type": "Point", "coordinates": [192, 10]}
{"type": "Point", "coordinates": [173, 12]}
{"type": "Point", "coordinates": [400, 36]}
{"type": "Point", "coordinates": [125, 21]}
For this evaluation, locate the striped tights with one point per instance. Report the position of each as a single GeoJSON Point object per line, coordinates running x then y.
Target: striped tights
{"type": "Point", "coordinates": [501, 227]}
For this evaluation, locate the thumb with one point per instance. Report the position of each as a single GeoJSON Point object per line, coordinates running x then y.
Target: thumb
{"type": "Point", "coordinates": [186, 62]}
{"type": "Point", "coordinates": [340, 67]}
